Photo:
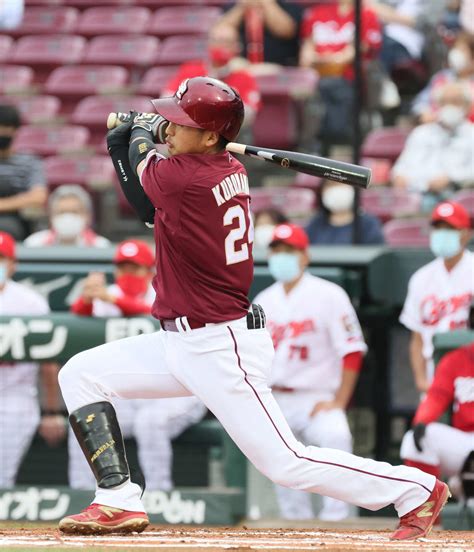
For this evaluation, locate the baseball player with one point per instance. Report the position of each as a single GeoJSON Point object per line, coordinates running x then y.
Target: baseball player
{"type": "Point", "coordinates": [439, 293]}
{"type": "Point", "coordinates": [438, 448]}
{"type": "Point", "coordinates": [153, 423]}
{"type": "Point", "coordinates": [212, 345]}
{"type": "Point", "coordinates": [19, 409]}
{"type": "Point", "coordinates": [318, 355]}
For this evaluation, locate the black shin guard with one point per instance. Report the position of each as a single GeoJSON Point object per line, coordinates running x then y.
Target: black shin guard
{"type": "Point", "coordinates": [98, 433]}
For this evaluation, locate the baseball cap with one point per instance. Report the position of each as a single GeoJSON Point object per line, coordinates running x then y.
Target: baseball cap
{"type": "Point", "coordinates": [290, 234]}
{"type": "Point", "coordinates": [452, 213]}
{"type": "Point", "coordinates": [7, 245]}
{"type": "Point", "coordinates": [134, 251]}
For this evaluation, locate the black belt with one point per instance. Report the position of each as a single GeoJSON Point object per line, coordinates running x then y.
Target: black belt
{"type": "Point", "coordinates": [255, 320]}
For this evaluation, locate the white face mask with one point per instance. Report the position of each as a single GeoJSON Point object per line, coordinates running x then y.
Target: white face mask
{"type": "Point", "coordinates": [263, 235]}
{"type": "Point", "coordinates": [457, 60]}
{"type": "Point", "coordinates": [451, 116]}
{"type": "Point", "coordinates": [68, 225]}
{"type": "Point", "coordinates": [338, 198]}
{"type": "Point", "coordinates": [3, 273]}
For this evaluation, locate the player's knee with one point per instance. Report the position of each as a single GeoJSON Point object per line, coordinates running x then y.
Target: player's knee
{"type": "Point", "coordinates": [72, 374]}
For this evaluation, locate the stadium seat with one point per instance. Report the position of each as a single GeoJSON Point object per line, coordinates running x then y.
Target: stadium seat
{"type": "Point", "coordinates": [466, 198]}
{"type": "Point", "coordinates": [387, 203]}
{"type": "Point", "coordinates": [296, 82]}
{"type": "Point", "coordinates": [380, 170]}
{"type": "Point", "coordinates": [84, 4]}
{"type": "Point", "coordinates": [46, 52]}
{"type": "Point", "coordinates": [44, 3]}
{"type": "Point", "coordinates": [35, 109]}
{"type": "Point", "coordinates": [174, 3]}
{"type": "Point", "coordinates": [122, 50]}
{"type": "Point", "coordinates": [293, 202]}
{"type": "Point", "coordinates": [407, 232]}
{"type": "Point", "coordinates": [307, 181]}
{"type": "Point", "coordinates": [179, 49]}
{"type": "Point", "coordinates": [113, 20]}
{"type": "Point", "coordinates": [16, 79]}
{"type": "Point", "coordinates": [52, 140]}
{"type": "Point", "coordinates": [6, 43]}
{"type": "Point", "coordinates": [183, 20]}
{"type": "Point", "coordinates": [154, 80]}
{"type": "Point", "coordinates": [385, 143]}
{"type": "Point", "coordinates": [91, 172]}
{"type": "Point", "coordinates": [73, 83]}
{"type": "Point", "coordinates": [47, 20]}
{"type": "Point", "coordinates": [410, 76]}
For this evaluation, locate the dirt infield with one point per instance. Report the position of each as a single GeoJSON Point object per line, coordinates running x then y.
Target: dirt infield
{"type": "Point", "coordinates": [214, 539]}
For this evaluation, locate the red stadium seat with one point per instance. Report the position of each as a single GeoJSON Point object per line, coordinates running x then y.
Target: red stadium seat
{"type": "Point", "coordinates": [407, 232]}
{"type": "Point", "coordinates": [293, 202]}
{"type": "Point", "coordinates": [29, 3]}
{"type": "Point", "coordinates": [385, 143]}
{"type": "Point", "coordinates": [183, 20]}
{"type": "Point", "coordinates": [307, 181]}
{"type": "Point", "coordinates": [466, 198]}
{"type": "Point", "coordinates": [380, 170]}
{"type": "Point", "coordinates": [113, 20]}
{"type": "Point", "coordinates": [35, 109]}
{"type": "Point", "coordinates": [16, 79]}
{"type": "Point", "coordinates": [84, 4]}
{"type": "Point", "coordinates": [191, 3]}
{"type": "Point", "coordinates": [154, 80]}
{"type": "Point", "coordinates": [180, 49]}
{"type": "Point", "coordinates": [46, 52]}
{"type": "Point", "coordinates": [129, 51]}
{"type": "Point", "coordinates": [47, 20]}
{"type": "Point", "coordinates": [53, 140]}
{"type": "Point", "coordinates": [6, 43]}
{"type": "Point", "coordinates": [91, 172]}
{"type": "Point", "coordinates": [73, 83]}
{"type": "Point", "coordinates": [387, 203]}
{"type": "Point", "coordinates": [296, 82]}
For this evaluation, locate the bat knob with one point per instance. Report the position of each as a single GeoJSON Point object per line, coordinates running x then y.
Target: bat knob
{"type": "Point", "coordinates": [112, 121]}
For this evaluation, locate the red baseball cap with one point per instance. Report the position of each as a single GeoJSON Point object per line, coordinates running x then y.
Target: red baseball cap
{"type": "Point", "coordinates": [452, 213]}
{"type": "Point", "coordinates": [7, 245]}
{"type": "Point", "coordinates": [134, 251]}
{"type": "Point", "coordinates": [290, 234]}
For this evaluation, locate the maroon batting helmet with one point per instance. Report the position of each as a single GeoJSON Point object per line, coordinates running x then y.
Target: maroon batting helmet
{"type": "Point", "coordinates": [203, 102]}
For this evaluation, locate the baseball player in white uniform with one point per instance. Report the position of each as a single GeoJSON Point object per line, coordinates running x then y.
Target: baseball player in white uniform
{"type": "Point", "coordinates": [19, 406]}
{"type": "Point", "coordinates": [318, 354]}
{"type": "Point", "coordinates": [439, 293]}
{"type": "Point", "coordinates": [153, 424]}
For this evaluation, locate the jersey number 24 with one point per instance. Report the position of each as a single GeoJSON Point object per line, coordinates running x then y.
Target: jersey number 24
{"type": "Point", "coordinates": [233, 254]}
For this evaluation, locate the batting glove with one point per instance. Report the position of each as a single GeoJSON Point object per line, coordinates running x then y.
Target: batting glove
{"type": "Point", "coordinates": [152, 122]}
{"type": "Point", "coordinates": [418, 435]}
{"type": "Point", "coordinates": [120, 135]}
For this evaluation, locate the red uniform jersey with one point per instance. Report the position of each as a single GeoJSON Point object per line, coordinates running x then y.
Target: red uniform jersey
{"type": "Point", "coordinates": [331, 31]}
{"type": "Point", "coordinates": [203, 234]}
{"type": "Point", "coordinates": [453, 383]}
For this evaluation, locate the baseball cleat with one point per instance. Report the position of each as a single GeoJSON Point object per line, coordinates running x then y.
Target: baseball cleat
{"type": "Point", "coordinates": [419, 522]}
{"type": "Point", "coordinates": [97, 519]}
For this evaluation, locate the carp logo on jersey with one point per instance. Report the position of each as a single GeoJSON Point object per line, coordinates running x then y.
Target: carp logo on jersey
{"type": "Point", "coordinates": [290, 331]}
{"type": "Point", "coordinates": [434, 309]}
{"type": "Point", "coordinates": [351, 326]}
{"type": "Point", "coordinates": [463, 391]}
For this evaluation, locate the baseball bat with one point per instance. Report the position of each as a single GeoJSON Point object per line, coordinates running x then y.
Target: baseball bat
{"type": "Point", "coordinates": [116, 119]}
{"type": "Point", "coordinates": [347, 173]}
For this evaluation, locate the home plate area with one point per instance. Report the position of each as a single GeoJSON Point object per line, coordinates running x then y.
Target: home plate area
{"type": "Point", "coordinates": [214, 539]}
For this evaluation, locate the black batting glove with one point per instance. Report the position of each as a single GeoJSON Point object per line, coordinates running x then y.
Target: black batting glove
{"type": "Point", "coordinates": [418, 435]}
{"type": "Point", "coordinates": [120, 135]}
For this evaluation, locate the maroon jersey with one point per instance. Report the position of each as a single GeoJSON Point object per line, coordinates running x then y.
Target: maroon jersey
{"type": "Point", "coordinates": [203, 234]}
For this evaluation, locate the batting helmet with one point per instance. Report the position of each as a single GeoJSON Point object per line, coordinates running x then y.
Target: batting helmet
{"type": "Point", "coordinates": [206, 103]}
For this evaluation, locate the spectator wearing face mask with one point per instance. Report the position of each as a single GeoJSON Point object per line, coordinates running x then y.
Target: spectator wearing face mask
{"type": "Point", "coordinates": [22, 180]}
{"type": "Point", "coordinates": [264, 224]}
{"type": "Point", "coordinates": [224, 63]}
{"type": "Point", "coordinates": [460, 68]}
{"type": "Point", "coordinates": [437, 157]}
{"type": "Point", "coordinates": [70, 218]}
{"type": "Point", "coordinates": [334, 223]}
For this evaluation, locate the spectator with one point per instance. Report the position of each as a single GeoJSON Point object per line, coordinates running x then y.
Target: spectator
{"type": "Point", "coordinates": [264, 224]}
{"type": "Point", "coordinates": [20, 415]}
{"type": "Point", "coordinates": [460, 69]}
{"type": "Point", "coordinates": [318, 355]}
{"type": "Point", "coordinates": [439, 293]}
{"type": "Point", "coordinates": [152, 423]}
{"type": "Point", "coordinates": [437, 157]}
{"type": "Point", "coordinates": [328, 35]}
{"type": "Point", "coordinates": [269, 29]}
{"type": "Point", "coordinates": [70, 218]}
{"type": "Point", "coordinates": [334, 223]}
{"type": "Point", "coordinates": [11, 13]}
{"type": "Point", "coordinates": [438, 448]}
{"type": "Point", "coordinates": [22, 182]}
{"type": "Point", "coordinates": [223, 51]}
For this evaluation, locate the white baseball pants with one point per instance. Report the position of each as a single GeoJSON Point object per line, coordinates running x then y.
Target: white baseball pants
{"type": "Point", "coordinates": [227, 367]}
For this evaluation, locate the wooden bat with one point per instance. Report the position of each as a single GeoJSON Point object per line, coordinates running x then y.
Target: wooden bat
{"type": "Point", "coordinates": [355, 175]}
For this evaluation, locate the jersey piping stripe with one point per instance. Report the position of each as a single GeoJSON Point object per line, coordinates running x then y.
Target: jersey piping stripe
{"type": "Point", "coordinates": [293, 451]}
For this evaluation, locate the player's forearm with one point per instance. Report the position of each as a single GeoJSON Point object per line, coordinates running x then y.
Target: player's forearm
{"type": "Point", "coordinates": [233, 17]}
{"type": "Point", "coordinates": [50, 387]}
{"type": "Point", "coordinates": [131, 306]}
{"type": "Point", "coordinates": [36, 197]}
{"type": "Point", "coordinates": [418, 364]}
{"type": "Point", "coordinates": [434, 405]}
{"type": "Point", "coordinates": [346, 389]}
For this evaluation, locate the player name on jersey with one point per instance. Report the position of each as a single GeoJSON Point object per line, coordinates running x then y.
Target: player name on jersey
{"type": "Point", "coordinates": [231, 186]}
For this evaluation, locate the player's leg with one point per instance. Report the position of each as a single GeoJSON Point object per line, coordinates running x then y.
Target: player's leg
{"type": "Point", "coordinates": [156, 424]}
{"type": "Point", "coordinates": [19, 418]}
{"type": "Point", "coordinates": [228, 369]}
{"type": "Point", "coordinates": [330, 429]}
